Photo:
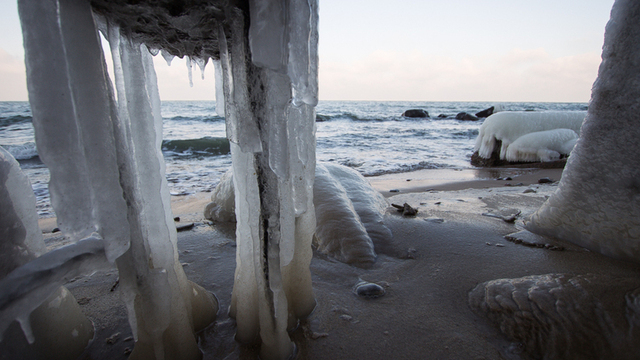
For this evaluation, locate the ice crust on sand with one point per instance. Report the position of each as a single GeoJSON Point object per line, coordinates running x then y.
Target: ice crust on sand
{"type": "Point", "coordinates": [542, 146]}
{"type": "Point", "coordinates": [349, 213]}
{"type": "Point", "coordinates": [508, 126]}
{"type": "Point", "coordinates": [597, 204]}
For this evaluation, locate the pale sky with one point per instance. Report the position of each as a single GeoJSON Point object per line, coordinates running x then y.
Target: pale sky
{"type": "Point", "coordinates": [420, 50]}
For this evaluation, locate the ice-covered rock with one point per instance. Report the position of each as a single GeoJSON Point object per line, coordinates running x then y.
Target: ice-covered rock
{"type": "Point", "coordinates": [510, 125]}
{"type": "Point", "coordinates": [349, 213]}
{"type": "Point", "coordinates": [597, 204]}
{"type": "Point", "coordinates": [542, 146]}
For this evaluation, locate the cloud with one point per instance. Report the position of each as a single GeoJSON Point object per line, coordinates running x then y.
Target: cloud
{"type": "Point", "coordinates": [12, 74]}
{"type": "Point", "coordinates": [516, 75]}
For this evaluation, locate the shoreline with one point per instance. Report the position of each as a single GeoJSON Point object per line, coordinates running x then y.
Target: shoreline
{"type": "Point", "coordinates": [428, 270]}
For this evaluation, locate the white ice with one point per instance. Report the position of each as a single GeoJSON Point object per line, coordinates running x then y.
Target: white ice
{"type": "Point", "coordinates": [597, 204]}
{"type": "Point", "coordinates": [349, 213]}
{"type": "Point", "coordinates": [542, 146]}
{"type": "Point", "coordinates": [508, 126]}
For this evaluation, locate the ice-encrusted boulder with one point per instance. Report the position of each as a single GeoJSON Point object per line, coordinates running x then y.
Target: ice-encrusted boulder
{"type": "Point", "coordinates": [597, 204]}
{"type": "Point", "coordinates": [543, 146]}
{"type": "Point", "coordinates": [349, 213]}
{"type": "Point", "coordinates": [506, 127]}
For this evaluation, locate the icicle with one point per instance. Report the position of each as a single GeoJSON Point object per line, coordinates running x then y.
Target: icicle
{"type": "Point", "coordinates": [202, 63]}
{"type": "Point", "coordinates": [167, 56]}
{"type": "Point", "coordinates": [189, 63]}
{"type": "Point", "coordinates": [219, 88]}
{"type": "Point", "coordinates": [302, 68]}
{"type": "Point", "coordinates": [153, 51]}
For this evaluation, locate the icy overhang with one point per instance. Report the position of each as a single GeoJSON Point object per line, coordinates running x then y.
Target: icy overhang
{"type": "Point", "coordinates": [180, 27]}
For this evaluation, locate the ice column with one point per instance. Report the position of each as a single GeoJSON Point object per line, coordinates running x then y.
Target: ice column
{"type": "Point", "coordinates": [273, 150]}
{"type": "Point", "coordinates": [597, 204]}
{"type": "Point", "coordinates": [107, 170]}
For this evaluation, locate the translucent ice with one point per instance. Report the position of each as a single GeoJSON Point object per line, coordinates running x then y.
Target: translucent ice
{"type": "Point", "coordinates": [268, 35]}
{"type": "Point", "coordinates": [597, 204]}
{"type": "Point", "coordinates": [509, 125]}
{"type": "Point", "coordinates": [219, 88]}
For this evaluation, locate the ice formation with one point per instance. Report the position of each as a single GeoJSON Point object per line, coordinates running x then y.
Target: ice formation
{"type": "Point", "coordinates": [30, 286]}
{"type": "Point", "coordinates": [107, 170]}
{"type": "Point", "coordinates": [597, 204]}
{"type": "Point", "coordinates": [508, 126]}
{"type": "Point", "coordinates": [559, 316]}
{"type": "Point", "coordinates": [542, 145]}
{"type": "Point", "coordinates": [349, 213]}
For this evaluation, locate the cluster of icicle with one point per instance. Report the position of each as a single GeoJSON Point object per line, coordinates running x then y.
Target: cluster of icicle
{"type": "Point", "coordinates": [530, 136]}
{"type": "Point", "coordinates": [270, 98]}
{"type": "Point", "coordinates": [107, 170]}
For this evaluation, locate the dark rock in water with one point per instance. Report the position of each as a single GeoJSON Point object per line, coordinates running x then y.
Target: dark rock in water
{"type": "Point", "coordinates": [369, 290]}
{"type": "Point", "coordinates": [443, 116]}
{"type": "Point", "coordinates": [416, 113]}
{"type": "Point", "coordinates": [466, 116]}
{"type": "Point", "coordinates": [544, 180]}
{"type": "Point", "coordinates": [485, 113]}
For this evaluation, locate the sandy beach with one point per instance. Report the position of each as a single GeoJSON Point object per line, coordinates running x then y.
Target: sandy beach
{"type": "Point", "coordinates": [456, 241]}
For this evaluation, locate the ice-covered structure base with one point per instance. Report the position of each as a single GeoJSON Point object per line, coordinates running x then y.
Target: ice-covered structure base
{"type": "Point", "coordinates": [597, 204]}
{"type": "Point", "coordinates": [349, 213]}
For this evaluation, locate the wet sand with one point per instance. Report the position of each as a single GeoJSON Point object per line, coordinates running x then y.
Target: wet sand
{"type": "Point", "coordinates": [433, 262]}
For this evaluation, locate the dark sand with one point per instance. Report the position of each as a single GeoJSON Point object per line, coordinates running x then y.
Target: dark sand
{"type": "Point", "coordinates": [434, 261]}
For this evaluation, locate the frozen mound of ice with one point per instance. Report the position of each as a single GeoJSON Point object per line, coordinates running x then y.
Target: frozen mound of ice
{"type": "Point", "coordinates": [546, 145]}
{"type": "Point", "coordinates": [349, 213]}
{"type": "Point", "coordinates": [597, 204]}
{"type": "Point", "coordinates": [558, 316]}
{"type": "Point", "coordinates": [508, 126]}
{"type": "Point", "coordinates": [222, 207]}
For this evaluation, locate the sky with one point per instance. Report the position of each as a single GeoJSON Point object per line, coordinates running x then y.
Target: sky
{"type": "Point", "coordinates": [413, 50]}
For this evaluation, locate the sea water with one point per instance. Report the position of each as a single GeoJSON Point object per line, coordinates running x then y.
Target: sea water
{"type": "Point", "coordinates": [370, 136]}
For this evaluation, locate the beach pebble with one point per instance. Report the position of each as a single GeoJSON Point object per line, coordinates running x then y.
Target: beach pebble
{"type": "Point", "coordinates": [528, 191]}
{"type": "Point", "coordinates": [544, 180]}
{"type": "Point", "coordinates": [394, 190]}
{"type": "Point", "coordinates": [369, 290]}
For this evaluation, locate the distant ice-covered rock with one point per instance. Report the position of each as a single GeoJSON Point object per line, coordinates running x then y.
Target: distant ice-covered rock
{"type": "Point", "coordinates": [542, 146]}
{"type": "Point", "coordinates": [349, 213]}
{"type": "Point", "coordinates": [507, 127]}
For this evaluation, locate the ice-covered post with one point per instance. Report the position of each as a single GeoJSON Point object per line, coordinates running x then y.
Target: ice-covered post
{"type": "Point", "coordinates": [107, 170]}
{"type": "Point", "coordinates": [597, 204]}
{"type": "Point", "coordinates": [270, 89]}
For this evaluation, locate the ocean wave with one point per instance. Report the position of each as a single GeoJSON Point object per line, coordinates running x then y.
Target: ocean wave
{"type": "Point", "coordinates": [205, 118]}
{"type": "Point", "coordinates": [206, 146]}
{"type": "Point", "coordinates": [26, 151]}
{"type": "Point", "coordinates": [397, 169]}
{"type": "Point", "coordinates": [15, 119]}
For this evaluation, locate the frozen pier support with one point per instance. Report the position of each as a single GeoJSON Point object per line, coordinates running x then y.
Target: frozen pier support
{"type": "Point", "coordinates": [597, 204]}
{"type": "Point", "coordinates": [102, 146]}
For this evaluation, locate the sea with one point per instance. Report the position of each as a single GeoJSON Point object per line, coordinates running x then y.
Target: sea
{"type": "Point", "coordinates": [371, 137]}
